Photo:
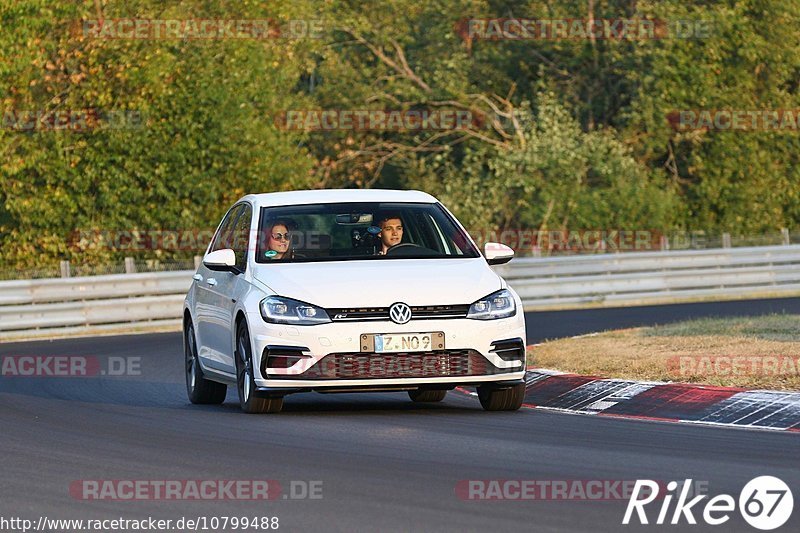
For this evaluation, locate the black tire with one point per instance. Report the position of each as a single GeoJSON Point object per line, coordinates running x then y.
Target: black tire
{"type": "Point", "coordinates": [427, 395]}
{"type": "Point", "coordinates": [501, 399]}
{"type": "Point", "coordinates": [249, 400]}
{"type": "Point", "coordinates": [199, 389]}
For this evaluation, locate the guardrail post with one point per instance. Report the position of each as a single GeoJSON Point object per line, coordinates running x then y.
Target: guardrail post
{"type": "Point", "coordinates": [65, 271]}
{"type": "Point", "coordinates": [197, 260]}
{"type": "Point", "coordinates": [785, 235]}
{"type": "Point", "coordinates": [726, 240]}
{"type": "Point", "coordinates": [130, 266]}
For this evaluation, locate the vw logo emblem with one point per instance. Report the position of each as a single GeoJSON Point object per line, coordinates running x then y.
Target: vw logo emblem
{"type": "Point", "coordinates": [400, 313]}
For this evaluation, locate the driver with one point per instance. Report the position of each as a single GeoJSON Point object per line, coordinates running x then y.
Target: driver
{"type": "Point", "coordinates": [391, 232]}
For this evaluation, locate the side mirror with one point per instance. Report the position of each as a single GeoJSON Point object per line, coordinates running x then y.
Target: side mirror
{"type": "Point", "coordinates": [222, 261]}
{"type": "Point", "coordinates": [497, 254]}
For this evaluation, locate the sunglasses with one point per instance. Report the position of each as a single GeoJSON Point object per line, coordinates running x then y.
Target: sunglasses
{"type": "Point", "coordinates": [279, 236]}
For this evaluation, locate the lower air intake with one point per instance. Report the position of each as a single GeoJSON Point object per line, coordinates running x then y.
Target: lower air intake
{"type": "Point", "coordinates": [359, 365]}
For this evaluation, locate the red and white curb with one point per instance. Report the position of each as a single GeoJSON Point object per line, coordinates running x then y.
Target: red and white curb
{"type": "Point", "coordinates": [670, 402]}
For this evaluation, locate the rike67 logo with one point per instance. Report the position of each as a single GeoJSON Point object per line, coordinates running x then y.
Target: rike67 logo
{"type": "Point", "coordinates": [765, 503]}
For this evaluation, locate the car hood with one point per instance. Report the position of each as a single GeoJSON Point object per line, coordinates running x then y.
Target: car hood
{"type": "Point", "coordinates": [381, 283]}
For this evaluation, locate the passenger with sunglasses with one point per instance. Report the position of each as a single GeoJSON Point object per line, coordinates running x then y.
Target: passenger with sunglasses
{"type": "Point", "coordinates": [279, 241]}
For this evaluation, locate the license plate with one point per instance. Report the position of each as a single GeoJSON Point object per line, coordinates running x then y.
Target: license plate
{"type": "Point", "coordinates": [402, 342]}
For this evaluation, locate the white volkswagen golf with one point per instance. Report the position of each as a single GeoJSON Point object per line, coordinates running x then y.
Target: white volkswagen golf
{"type": "Point", "coordinates": [350, 291]}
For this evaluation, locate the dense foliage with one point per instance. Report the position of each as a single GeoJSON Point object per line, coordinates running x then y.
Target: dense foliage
{"type": "Point", "coordinates": [566, 133]}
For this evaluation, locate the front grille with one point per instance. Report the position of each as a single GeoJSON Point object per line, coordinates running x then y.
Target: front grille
{"type": "Point", "coordinates": [439, 311]}
{"type": "Point", "coordinates": [359, 365]}
{"type": "Point", "coordinates": [420, 312]}
{"type": "Point", "coordinates": [359, 313]}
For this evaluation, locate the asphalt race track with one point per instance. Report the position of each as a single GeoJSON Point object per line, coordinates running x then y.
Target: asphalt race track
{"type": "Point", "coordinates": [385, 464]}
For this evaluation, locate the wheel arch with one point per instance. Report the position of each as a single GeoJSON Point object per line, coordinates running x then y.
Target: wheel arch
{"type": "Point", "coordinates": [187, 318]}
{"type": "Point", "coordinates": [239, 319]}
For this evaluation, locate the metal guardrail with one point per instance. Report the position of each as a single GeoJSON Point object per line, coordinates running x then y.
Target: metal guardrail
{"type": "Point", "coordinates": [44, 307]}
{"type": "Point", "coordinates": [36, 291]}
{"type": "Point", "coordinates": [68, 305]}
{"type": "Point", "coordinates": [655, 277]}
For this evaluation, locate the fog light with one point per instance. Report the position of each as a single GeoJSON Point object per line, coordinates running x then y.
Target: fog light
{"type": "Point", "coordinates": [282, 357]}
{"type": "Point", "coordinates": [282, 361]}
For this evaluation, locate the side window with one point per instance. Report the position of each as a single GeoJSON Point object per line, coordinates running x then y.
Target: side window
{"type": "Point", "coordinates": [223, 238]}
{"type": "Point", "coordinates": [241, 236]}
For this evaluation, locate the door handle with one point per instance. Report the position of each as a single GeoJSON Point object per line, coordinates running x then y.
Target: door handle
{"type": "Point", "coordinates": [211, 281]}
{"type": "Point", "coordinates": [197, 277]}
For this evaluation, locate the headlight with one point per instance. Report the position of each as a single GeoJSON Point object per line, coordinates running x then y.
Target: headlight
{"type": "Point", "coordinates": [280, 310]}
{"type": "Point", "coordinates": [499, 304]}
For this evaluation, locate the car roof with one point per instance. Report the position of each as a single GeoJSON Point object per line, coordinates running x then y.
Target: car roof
{"type": "Point", "coordinates": [332, 196]}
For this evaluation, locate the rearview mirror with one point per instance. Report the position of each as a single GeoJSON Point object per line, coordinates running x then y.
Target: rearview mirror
{"type": "Point", "coordinates": [348, 219]}
{"type": "Point", "coordinates": [497, 254]}
{"type": "Point", "coordinates": [221, 260]}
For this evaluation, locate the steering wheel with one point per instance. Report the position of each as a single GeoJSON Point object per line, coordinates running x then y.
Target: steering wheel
{"type": "Point", "coordinates": [409, 248]}
{"type": "Point", "coordinates": [401, 248]}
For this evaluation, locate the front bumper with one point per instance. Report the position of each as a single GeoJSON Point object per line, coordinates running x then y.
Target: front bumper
{"type": "Point", "coordinates": [334, 359]}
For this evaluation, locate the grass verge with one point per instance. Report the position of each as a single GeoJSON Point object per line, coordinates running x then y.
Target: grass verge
{"type": "Point", "coordinates": [754, 352]}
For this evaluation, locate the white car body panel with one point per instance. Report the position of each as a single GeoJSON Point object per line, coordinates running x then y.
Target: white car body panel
{"type": "Point", "coordinates": [341, 284]}
{"type": "Point", "coordinates": [365, 283]}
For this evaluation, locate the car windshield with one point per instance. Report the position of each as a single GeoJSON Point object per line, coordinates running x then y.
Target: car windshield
{"type": "Point", "coordinates": [358, 231]}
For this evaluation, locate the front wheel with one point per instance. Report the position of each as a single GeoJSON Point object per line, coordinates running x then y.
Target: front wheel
{"type": "Point", "coordinates": [501, 399]}
{"type": "Point", "coordinates": [249, 400]}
